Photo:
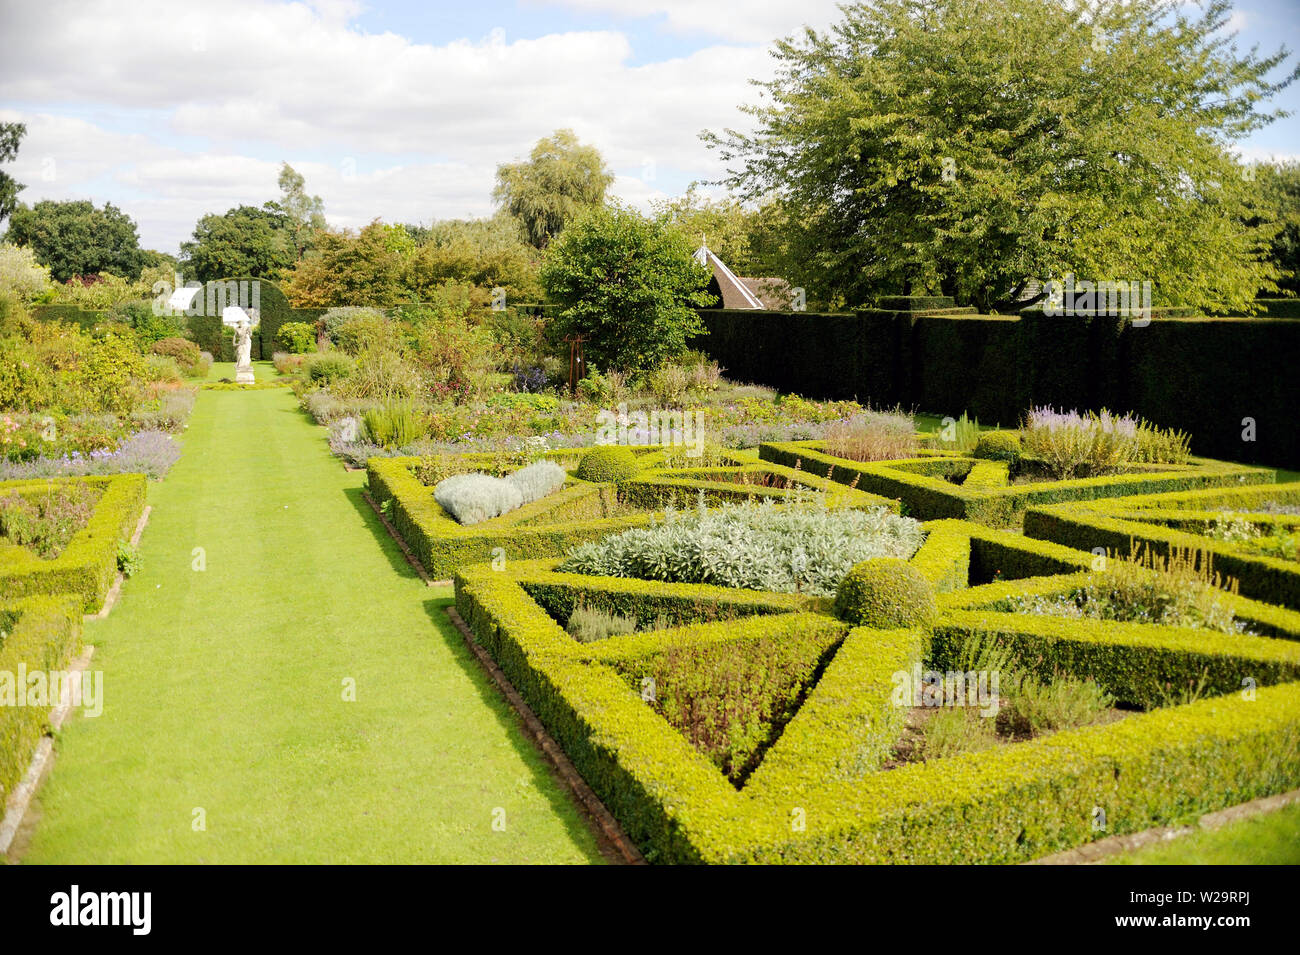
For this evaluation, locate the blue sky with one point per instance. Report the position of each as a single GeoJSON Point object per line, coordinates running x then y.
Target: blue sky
{"type": "Point", "coordinates": [401, 110]}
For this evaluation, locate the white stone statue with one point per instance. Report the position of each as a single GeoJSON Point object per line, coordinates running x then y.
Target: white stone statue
{"type": "Point", "coordinates": [242, 323]}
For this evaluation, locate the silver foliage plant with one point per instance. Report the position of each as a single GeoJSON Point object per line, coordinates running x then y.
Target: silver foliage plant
{"type": "Point", "coordinates": [472, 498]}
{"type": "Point", "coordinates": [800, 548]}
{"type": "Point", "coordinates": [538, 480]}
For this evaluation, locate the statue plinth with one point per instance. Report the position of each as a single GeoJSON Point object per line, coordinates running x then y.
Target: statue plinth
{"type": "Point", "coordinates": [244, 374]}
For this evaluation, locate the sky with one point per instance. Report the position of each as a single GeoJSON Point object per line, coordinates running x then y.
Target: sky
{"type": "Point", "coordinates": [400, 110]}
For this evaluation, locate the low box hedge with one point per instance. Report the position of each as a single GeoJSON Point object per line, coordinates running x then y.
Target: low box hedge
{"type": "Point", "coordinates": [819, 794]}
{"type": "Point", "coordinates": [1145, 519]}
{"type": "Point", "coordinates": [37, 634]}
{"type": "Point", "coordinates": [88, 565]}
{"type": "Point", "coordinates": [923, 484]}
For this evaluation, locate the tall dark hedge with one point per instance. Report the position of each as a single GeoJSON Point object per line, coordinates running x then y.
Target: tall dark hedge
{"type": "Point", "coordinates": [1200, 375]}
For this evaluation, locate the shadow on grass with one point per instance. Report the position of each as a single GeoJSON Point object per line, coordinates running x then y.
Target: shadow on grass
{"type": "Point", "coordinates": [545, 778]}
{"type": "Point", "coordinates": [380, 533]}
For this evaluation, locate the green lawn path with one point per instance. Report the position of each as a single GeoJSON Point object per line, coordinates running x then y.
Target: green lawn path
{"type": "Point", "coordinates": [224, 687]}
{"type": "Point", "coordinates": [1271, 838]}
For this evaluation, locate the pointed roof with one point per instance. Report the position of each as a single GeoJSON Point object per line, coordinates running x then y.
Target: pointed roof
{"type": "Point", "coordinates": [735, 293]}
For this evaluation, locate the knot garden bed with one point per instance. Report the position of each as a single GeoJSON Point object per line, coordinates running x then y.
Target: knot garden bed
{"type": "Point", "coordinates": [813, 782]}
{"type": "Point", "coordinates": [944, 484]}
{"type": "Point", "coordinates": [581, 510]}
{"type": "Point", "coordinates": [1187, 520]}
{"type": "Point", "coordinates": [87, 565]}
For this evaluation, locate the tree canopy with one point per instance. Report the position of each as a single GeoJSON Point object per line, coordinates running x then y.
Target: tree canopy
{"type": "Point", "coordinates": [971, 146]}
{"type": "Point", "coordinates": [11, 134]}
{"type": "Point", "coordinates": [305, 213]}
{"type": "Point", "coordinates": [75, 238]}
{"type": "Point", "coordinates": [629, 284]}
{"type": "Point", "coordinates": [245, 240]}
{"type": "Point", "coordinates": [353, 268]}
{"type": "Point", "coordinates": [560, 180]}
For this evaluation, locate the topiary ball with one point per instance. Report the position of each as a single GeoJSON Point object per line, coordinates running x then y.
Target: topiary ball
{"type": "Point", "coordinates": [607, 462]}
{"type": "Point", "coordinates": [998, 445]}
{"type": "Point", "coordinates": [885, 593]}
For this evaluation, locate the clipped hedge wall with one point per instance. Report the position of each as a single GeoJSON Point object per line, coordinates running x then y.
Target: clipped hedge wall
{"type": "Point", "coordinates": [40, 634]}
{"type": "Point", "coordinates": [88, 565]}
{"type": "Point", "coordinates": [1200, 375]}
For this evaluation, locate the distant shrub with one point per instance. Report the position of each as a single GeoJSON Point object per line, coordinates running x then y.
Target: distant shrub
{"type": "Point", "coordinates": [44, 522]}
{"type": "Point", "coordinates": [473, 498]}
{"type": "Point", "coordinates": [336, 318]}
{"type": "Point", "coordinates": [286, 363]}
{"type": "Point", "coordinates": [172, 411]}
{"type": "Point", "coordinates": [961, 435]}
{"type": "Point", "coordinates": [885, 593]}
{"type": "Point", "coordinates": [604, 463]}
{"type": "Point", "coordinates": [1180, 589]}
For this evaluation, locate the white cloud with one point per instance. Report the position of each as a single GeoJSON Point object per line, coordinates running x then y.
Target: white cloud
{"type": "Point", "coordinates": [245, 82]}
{"type": "Point", "coordinates": [755, 21]}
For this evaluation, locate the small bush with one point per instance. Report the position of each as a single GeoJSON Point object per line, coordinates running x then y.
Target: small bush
{"type": "Point", "coordinates": [1181, 589]}
{"type": "Point", "coordinates": [962, 435]}
{"type": "Point", "coordinates": [873, 436]}
{"type": "Point", "coordinates": [885, 593]}
{"type": "Point", "coordinates": [160, 368]}
{"type": "Point", "coordinates": [473, 498]}
{"type": "Point", "coordinates": [286, 363]}
{"type": "Point", "coordinates": [1071, 445]}
{"type": "Point", "coordinates": [187, 355]}
{"type": "Point", "coordinates": [395, 425]}
{"type": "Point", "coordinates": [538, 480]}
{"type": "Point", "coordinates": [605, 463]}
{"type": "Point", "coordinates": [297, 337]}
{"type": "Point", "coordinates": [998, 446]}
{"type": "Point", "coordinates": [1064, 702]}
{"type": "Point", "coordinates": [325, 368]}
{"type": "Point", "coordinates": [433, 469]}
{"type": "Point", "coordinates": [587, 624]}
{"type": "Point", "coordinates": [129, 560]}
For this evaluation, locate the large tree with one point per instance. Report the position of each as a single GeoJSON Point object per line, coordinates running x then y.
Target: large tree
{"type": "Point", "coordinates": [75, 238]}
{"type": "Point", "coordinates": [11, 134]}
{"type": "Point", "coordinates": [627, 283]}
{"type": "Point", "coordinates": [306, 213]}
{"type": "Point", "coordinates": [243, 241]}
{"type": "Point", "coordinates": [1279, 194]}
{"type": "Point", "coordinates": [970, 146]}
{"type": "Point", "coordinates": [559, 181]}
